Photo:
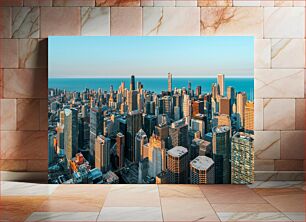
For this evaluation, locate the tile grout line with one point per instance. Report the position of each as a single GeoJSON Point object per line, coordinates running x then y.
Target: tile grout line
{"type": "Point", "coordinates": [161, 208]}
{"type": "Point", "coordinates": [209, 203]}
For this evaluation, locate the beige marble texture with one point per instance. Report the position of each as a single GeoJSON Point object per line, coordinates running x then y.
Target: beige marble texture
{"type": "Point", "coordinates": [164, 3]}
{"type": "Point", "coordinates": [230, 194]}
{"type": "Point", "coordinates": [251, 216]}
{"type": "Point", "coordinates": [267, 3]}
{"type": "Point", "coordinates": [186, 3]}
{"type": "Point", "coordinates": [5, 22]}
{"type": "Point", "coordinates": [295, 216]}
{"type": "Point", "coordinates": [237, 21]}
{"type": "Point", "coordinates": [199, 209]}
{"type": "Point", "coordinates": [63, 216]}
{"type": "Point", "coordinates": [22, 144]}
{"type": "Point", "coordinates": [6, 3]}
{"type": "Point", "coordinates": [273, 83]}
{"type": "Point", "coordinates": [289, 165]}
{"type": "Point", "coordinates": [130, 214]}
{"type": "Point", "coordinates": [37, 165]}
{"type": "Point", "coordinates": [279, 114]}
{"type": "Point", "coordinates": [262, 53]}
{"type": "Point", "coordinates": [13, 165]}
{"type": "Point", "coordinates": [263, 207]}
{"type": "Point", "coordinates": [28, 114]}
{"type": "Point", "coordinates": [8, 53]}
{"type": "Point", "coordinates": [51, 17]}
{"type": "Point", "coordinates": [43, 114]}
{"type": "Point", "coordinates": [146, 3]}
{"type": "Point", "coordinates": [171, 21]}
{"type": "Point", "coordinates": [37, 2]}
{"type": "Point", "coordinates": [283, 3]}
{"type": "Point", "coordinates": [258, 114]}
{"type": "Point", "coordinates": [73, 2]}
{"type": "Point", "coordinates": [220, 3]}
{"type": "Point", "coordinates": [10, 188]}
{"type": "Point", "coordinates": [299, 3]}
{"type": "Point", "coordinates": [137, 195]}
{"type": "Point", "coordinates": [284, 49]}
{"type": "Point", "coordinates": [123, 3]}
{"type": "Point", "coordinates": [267, 145]}
{"type": "Point", "coordinates": [25, 83]}
{"type": "Point", "coordinates": [126, 21]}
{"type": "Point", "coordinates": [179, 191]}
{"type": "Point", "coordinates": [95, 21]}
{"type": "Point", "coordinates": [278, 22]}
{"type": "Point", "coordinates": [237, 3]}
{"type": "Point", "coordinates": [300, 123]}
{"type": "Point", "coordinates": [262, 165]}
{"type": "Point", "coordinates": [1, 84]}
{"type": "Point", "coordinates": [32, 53]}
{"type": "Point", "coordinates": [25, 22]}
{"type": "Point", "coordinates": [8, 114]}
{"type": "Point", "coordinates": [292, 145]}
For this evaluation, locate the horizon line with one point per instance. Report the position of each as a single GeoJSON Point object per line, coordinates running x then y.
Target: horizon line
{"type": "Point", "coordinates": [144, 77]}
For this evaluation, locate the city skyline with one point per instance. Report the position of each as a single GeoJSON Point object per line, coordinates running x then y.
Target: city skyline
{"type": "Point", "coordinates": [132, 135]}
{"type": "Point", "coordinates": [98, 57]}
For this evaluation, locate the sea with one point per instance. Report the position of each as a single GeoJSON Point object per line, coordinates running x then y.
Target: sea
{"type": "Point", "coordinates": [152, 84]}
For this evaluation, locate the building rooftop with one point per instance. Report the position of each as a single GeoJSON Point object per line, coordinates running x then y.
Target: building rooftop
{"type": "Point", "coordinates": [221, 129]}
{"type": "Point", "coordinates": [244, 136]}
{"type": "Point", "coordinates": [202, 163]}
{"type": "Point", "coordinates": [177, 151]}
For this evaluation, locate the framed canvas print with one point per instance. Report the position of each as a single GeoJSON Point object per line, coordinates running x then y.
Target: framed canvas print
{"type": "Point", "coordinates": [145, 110]}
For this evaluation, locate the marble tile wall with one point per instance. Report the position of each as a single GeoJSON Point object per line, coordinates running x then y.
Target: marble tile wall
{"type": "Point", "coordinates": [279, 59]}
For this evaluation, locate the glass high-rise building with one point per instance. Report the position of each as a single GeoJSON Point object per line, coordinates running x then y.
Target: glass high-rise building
{"type": "Point", "coordinates": [202, 170]}
{"type": "Point", "coordinates": [177, 164]}
{"type": "Point", "coordinates": [221, 154]}
{"type": "Point", "coordinates": [242, 158]}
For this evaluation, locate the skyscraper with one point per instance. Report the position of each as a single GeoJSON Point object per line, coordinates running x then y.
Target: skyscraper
{"type": "Point", "coordinates": [134, 124]}
{"type": "Point", "coordinates": [132, 100]}
{"type": "Point", "coordinates": [221, 153]}
{"type": "Point", "coordinates": [102, 153]}
{"type": "Point", "coordinates": [178, 133]}
{"type": "Point", "coordinates": [231, 95]}
{"type": "Point", "coordinates": [241, 102]}
{"type": "Point", "coordinates": [167, 106]}
{"type": "Point", "coordinates": [150, 122]}
{"type": "Point", "coordinates": [197, 107]}
{"type": "Point", "coordinates": [224, 107]}
{"type": "Point", "coordinates": [202, 170]}
{"type": "Point", "coordinates": [96, 123]}
{"type": "Point", "coordinates": [71, 132]}
{"type": "Point", "coordinates": [156, 155]}
{"type": "Point", "coordinates": [132, 83]}
{"type": "Point", "coordinates": [120, 145]}
{"type": "Point", "coordinates": [140, 139]}
{"type": "Point", "coordinates": [177, 164]}
{"type": "Point", "coordinates": [186, 106]}
{"type": "Point", "coordinates": [221, 84]}
{"type": "Point", "coordinates": [249, 116]}
{"type": "Point", "coordinates": [242, 158]}
{"type": "Point", "coordinates": [169, 82]}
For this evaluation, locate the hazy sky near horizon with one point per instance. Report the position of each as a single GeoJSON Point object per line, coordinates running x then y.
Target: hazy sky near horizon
{"type": "Point", "coordinates": [146, 56]}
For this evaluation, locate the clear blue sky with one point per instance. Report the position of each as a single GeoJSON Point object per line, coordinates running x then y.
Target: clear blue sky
{"type": "Point", "coordinates": [118, 56]}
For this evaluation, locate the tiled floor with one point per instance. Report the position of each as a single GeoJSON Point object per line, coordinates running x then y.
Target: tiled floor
{"type": "Point", "coordinates": [270, 201]}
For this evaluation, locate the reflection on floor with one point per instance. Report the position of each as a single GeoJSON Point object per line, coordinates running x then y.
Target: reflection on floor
{"type": "Point", "coordinates": [268, 201]}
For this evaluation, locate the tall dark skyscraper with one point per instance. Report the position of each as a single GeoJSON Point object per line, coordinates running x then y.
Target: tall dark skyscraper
{"type": "Point", "coordinates": [134, 124]}
{"type": "Point", "coordinates": [132, 83]}
{"type": "Point", "coordinates": [221, 153]}
{"type": "Point", "coordinates": [169, 82]}
{"type": "Point", "coordinates": [96, 120]}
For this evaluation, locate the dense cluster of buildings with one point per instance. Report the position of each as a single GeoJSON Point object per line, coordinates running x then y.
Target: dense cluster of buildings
{"type": "Point", "coordinates": [134, 135]}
